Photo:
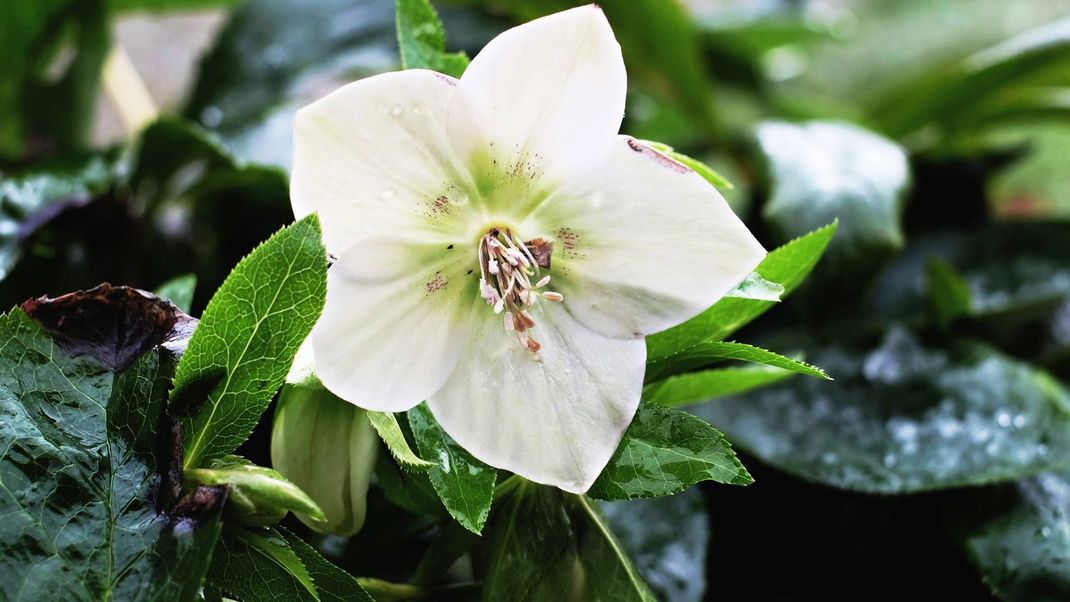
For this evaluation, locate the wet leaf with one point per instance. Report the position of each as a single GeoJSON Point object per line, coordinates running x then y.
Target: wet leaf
{"type": "Point", "coordinates": [902, 418]}
{"type": "Point", "coordinates": [665, 451]}
{"type": "Point", "coordinates": [386, 424]}
{"type": "Point", "coordinates": [1023, 549]}
{"type": "Point", "coordinates": [713, 351]}
{"type": "Point", "coordinates": [89, 460]}
{"type": "Point", "coordinates": [825, 171]}
{"type": "Point", "coordinates": [258, 564]}
{"type": "Point", "coordinates": [465, 485]}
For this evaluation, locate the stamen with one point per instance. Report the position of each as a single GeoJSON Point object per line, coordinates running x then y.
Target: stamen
{"type": "Point", "coordinates": [507, 268]}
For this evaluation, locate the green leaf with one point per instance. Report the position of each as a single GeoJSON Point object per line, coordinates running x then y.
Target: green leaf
{"type": "Point", "coordinates": [450, 543]}
{"type": "Point", "coordinates": [825, 171]}
{"type": "Point", "coordinates": [334, 584]}
{"type": "Point", "coordinates": [247, 339]}
{"type": "Point", "coordinates": [755, 287]}
{"type": "Point", "coordinates": [257, 74]}
{"type": "Point", "coordinates": [956, 94]}
{"type": "Point", "coordinates": [87, 467]}
{"type": "Point", "coordinates": [179, 290]}
{"type": "Point", "coordinates": [949, 293]}
{"type": "Point", "coordinates": [422, 40]}
{"type": "Point", "coordinates": [664, 452]}
{"type": "Point", "coordinates": [711, 351]}
{"type": "Point", "coordinates": [787, 266]}
{"type": "Point", "coordinates": [30, 198]}
{"type": "Point", "coordinates": [1022, 550]}
{"type": "Point", "coordinates": [411, 490]}
{"type": "Point", "coordinates": [386, 424]}
{"type": "Point", "coordinates": [465, 485]}
{"type": "Point", "coordinates": [902, 418]}
{"type": "Point", "coordinates": [694, 387]}
{"type": "Point", "coordinates": [666, 538]}
{"type": "Point", "coordinates": [259, 564]}
{"type": "Point", "coordinates": [545, 544]}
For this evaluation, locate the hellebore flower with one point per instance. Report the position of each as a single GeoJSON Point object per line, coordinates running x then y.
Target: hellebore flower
{"type": "Point", "coordinates": [501, 252]}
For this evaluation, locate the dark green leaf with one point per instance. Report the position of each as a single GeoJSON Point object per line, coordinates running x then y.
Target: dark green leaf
{"type": "Point", "coordinates": [179, 290]}
{"type": "Point", "coordinates": [259, 564]}
{"type": "Point", "coordinates": [902, 418]}
{"type": "Point", "coordinates": [450, 543]}
{"type": "Point", "coordinates": [547, 545]}
{"type": "Point", "coordinates": [29, 199]}
{"type": "Point", "coordinates": [1023, 550]}
{"type": "Point", "coordinates": [666, 539]}
{"type": "Point", "coordinates": [787, 265]}
{"type": "Point", "coordinates": [411, 490]}
{"type": "Point", "coordinates": [665, 451]}
{"type": "Point", "coordinates": [825, 171]}
{"type": "Point", "coordinates": [422, 40]}
{"type": "Point", "coordinates": [334, 584]}
{"type": "Point", "coordinates": [465, 485]}
{"type": "Point", "coordinates": [711, 351]}
{"type": "Point", "coordinates": [88, 465]}
{"type": "Point", "coordinates": [259, 71]}
{"type": "Point", "coordinates": [247, 339]}
{"type": "Point", "coordinates": [693, 387]}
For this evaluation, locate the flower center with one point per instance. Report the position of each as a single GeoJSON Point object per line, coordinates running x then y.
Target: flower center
{"type": "Point", "coordinates": [507, 267]}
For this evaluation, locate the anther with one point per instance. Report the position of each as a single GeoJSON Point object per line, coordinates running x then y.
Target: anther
{"type": "Point", "coordinates": [552, 296]}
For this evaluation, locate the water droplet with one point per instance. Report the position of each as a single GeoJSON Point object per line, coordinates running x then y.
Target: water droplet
{"type": "Point", "coordinates": [396, 110]}
{"type": "Point", "coordinates": [211, 117]}
{"type": "Point", "coordinates": [889, 460]}
{"type": "Point", "coordinates": [1045, 532]}
{"type": "Point", "coordinates": [1003, 419]}
{"type": "Point", "coordinates": [389, 193]}
{"type": "Point", "coordinates": [1019, 421]}
{"type": "Point", "coordinates": [460, 199]}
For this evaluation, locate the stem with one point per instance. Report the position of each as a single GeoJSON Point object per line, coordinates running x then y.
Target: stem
{"type": "Point", "coordinates": [128, 92]}
{"type": "Point", "coordinates": [391, 591]}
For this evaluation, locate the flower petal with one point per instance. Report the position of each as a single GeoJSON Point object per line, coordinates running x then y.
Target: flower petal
{"type": "Point", "coordinates": [374, 156]}
{"type": "Point", "coordinates": [642, 243]}
{"type": "Point", "coordinates": [556, 417]}
{"type": "Point", "coordinates": [394, 322]}
{"type": "Point", "coordinates": [548, 94]}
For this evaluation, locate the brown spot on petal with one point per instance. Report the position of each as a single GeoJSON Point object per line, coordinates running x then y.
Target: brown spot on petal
{"type": "Point", "coordinates": [658, 157]}
{"type": "Point", "coordinates": [436, 284]}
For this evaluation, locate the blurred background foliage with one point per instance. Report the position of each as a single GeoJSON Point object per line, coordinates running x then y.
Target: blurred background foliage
{"type": "Point", "coordinates": [937, 132]}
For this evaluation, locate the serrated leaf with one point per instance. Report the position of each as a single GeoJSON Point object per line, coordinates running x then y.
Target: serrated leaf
{"type": "Point", "coordinates": [824, 171]}
{"type": "Point", "coordinates": [787, 266]}
{"type": "Point", "coordinates": [422, 40]}
{"type": "Point", "coordinates": [1022, 548]}
{"type": "Point", "coordinates": [666, 538]}
{"type": "Point", "coordinates": [386, 424]}
{"type": "Point", "coordinates": [411, 490]}
{"type": "Point", "coordinates": [545, 544]}
{"type": "Point", "coordinates": [87, 466]}
{"type": "Point", "coordinates": [247, 339]}
{"type": "Point", "coordinates": [710, 351]}
{"type": "Point", "coordinates": [665, 451]}
{"type": "Point", "coordinates": [258, 564]}
{"type": "Point", "coordinates": [755, 287]}
{"type": "Point", "coordinates": [333, 584]}
{"type": "Point", "coordinates": [902, 418]}
{"type": "Point", "coordinates": [179, 290]}
{"type": "Point", "coordinates": [694, 387]}
{"type": "Point", "coordinates": [464, 484]}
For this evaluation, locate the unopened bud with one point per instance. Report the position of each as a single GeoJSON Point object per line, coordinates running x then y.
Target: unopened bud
{"type": "Point", "coordinates": [256, 495]}
{"type": "Point", "coordinates": [327, 447]}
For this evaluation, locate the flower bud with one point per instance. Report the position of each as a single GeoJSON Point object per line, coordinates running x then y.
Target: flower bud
{"type": "Point", "coordinates": [327, 447]}
{"type": "Point", "coordinates": [256, 495]}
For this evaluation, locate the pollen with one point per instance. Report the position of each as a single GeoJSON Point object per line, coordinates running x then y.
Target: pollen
{"type": "Point", "coordinates": [507, 268]}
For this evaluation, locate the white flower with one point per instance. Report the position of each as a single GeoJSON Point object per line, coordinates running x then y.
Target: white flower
{"type": "Point", "coordinates": [502, 251]}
